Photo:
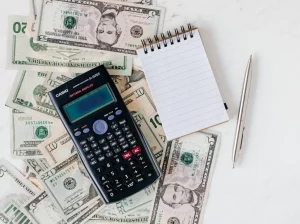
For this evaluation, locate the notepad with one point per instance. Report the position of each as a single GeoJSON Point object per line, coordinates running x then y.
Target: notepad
{"type": "Point", "coordinates": [182, 84]}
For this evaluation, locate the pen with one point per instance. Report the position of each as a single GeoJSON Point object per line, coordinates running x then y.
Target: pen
{"type": "Point", "coordinates": [242, 114]}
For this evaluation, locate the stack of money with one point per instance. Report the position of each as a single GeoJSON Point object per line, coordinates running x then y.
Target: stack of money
{"type": "Point", "coordinates": [58, 41]}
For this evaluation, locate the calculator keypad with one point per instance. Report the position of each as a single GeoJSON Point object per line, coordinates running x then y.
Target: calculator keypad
{"type": "Point", "coordinates": [119, 163]}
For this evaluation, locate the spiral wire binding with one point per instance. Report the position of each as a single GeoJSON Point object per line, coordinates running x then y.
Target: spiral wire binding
{"type": "Point", "coordinates": [170, 37]}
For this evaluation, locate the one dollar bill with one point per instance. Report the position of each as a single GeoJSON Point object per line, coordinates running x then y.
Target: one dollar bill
{"type": "Point", "coordinates": [27, 132]}
{"type": "Point", "coordinates": [109, 26]}
{"type": "Point", "coordinates": [187, 166]}
{"type": "Point", "coordinates": [23, 53]}
{"type": "Point", "coordinates": [68, 185]}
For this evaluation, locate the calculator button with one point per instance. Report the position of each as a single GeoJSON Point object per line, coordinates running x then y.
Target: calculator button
{"type": "Point", "coordinates": [126, 176]}
{"type": "Point", "coordinates": [149, 174]}
{"type": "Point", "coordinates": [117, 150]}
{"type": "Point", "coordinates": [109, 137]}
{"type": "Point", "coordinates": [131, 163]}
{"type": "Point", "coordinates": [94, 145]}
{"type": "Point", "coordinates": [132, 142]}
{"type": "Point", "coordinates": [91, 138]}
{"type": "Point", "coordinates": [111, 194]}
{"type": "Point", "coordinates": [118, 112]}
{"type": "Point", "coordinates": [108, 165]}
{"type": "Point", "coordinates": [86, 130]}
{"type": "Point", "coordinates": [86, 149]}
{"type": "Point", "coordinates": [112, 144]}
{"type": "Point", "coordinates": [101, 158]}
{"type": "Point", "coordinates": [140, 158]}
{"type": "Point", "coordinates": [135, 171]}
{"type": "Point", "coordinates": [117, 160]}
{"type": "Point", "coordinates": [112, 173]}
{"type": "Point", "coordinates": [103, 179]}
{"type": "Point", "coordinates": [105, 148]}
{"type": "Point", "coordinates": [126, 155]}
{"type": "Point", "coordinates": [107, 186]}
{"type": "Point", "coordinates": [136, 150]}
{"type": "Point", "coordinates": [117, 133]}
{"type": "Point", "coordinates": [100, 127]}
{"type": "Point", "coordinates": [99, 170]}
{"type": "Point", "coordinates": [117, 181]}
{"type": "Point", "coordinates": [82, 142]}
{"type": "Point", "coordinates": [129, 135]}
{"type": "Point", "coordinates": [77, 133]}
{"type": "Point", "coordinates": [109, 154]}
{"type": "Point", "coordinates": [102, 140]}
{"type": "Point", "coordinates": [120, 188]}
{"type": "Point", "coordinates": [122, 122]}
{"type": "Point", "coordinates": [146, 166]}
{"type": "Point", "coordinates": [89, 156]}
{"type": "Point", "coordinates": [125, 146]}
{"type": "Point", "coordinates": [140, 179]}
{"type": "Point", "coordinates": [97, 152]}
{"type": "Point", "coordinates": [111, 117]}
{"type": "Point", "coordinates": [122, 139]}
{"type": "Point", "coordinates": [122, 168]}
{"type": "Point", "coordinates": [93, 162]}
{"type": "Point", "coordinates": [114, 126]}
{"type": "Point", "coordinates": [126, 128]}
{"type": "Point", "coordinates": [130, 184]}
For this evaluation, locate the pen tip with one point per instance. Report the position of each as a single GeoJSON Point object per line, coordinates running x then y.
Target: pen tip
{"type": "Point", "coordinates": [233, 166]}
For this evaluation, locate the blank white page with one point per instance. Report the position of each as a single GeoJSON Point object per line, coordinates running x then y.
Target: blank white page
{"type": "Point", "coordinates": [183, 86]}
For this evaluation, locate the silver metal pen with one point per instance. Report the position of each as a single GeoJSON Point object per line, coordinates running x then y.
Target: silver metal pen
{"type": "Point", "coordinates": [242, 114]}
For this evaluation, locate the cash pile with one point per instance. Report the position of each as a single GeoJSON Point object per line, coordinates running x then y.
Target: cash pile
{"type": "Point", "coordinates": [58, 41]}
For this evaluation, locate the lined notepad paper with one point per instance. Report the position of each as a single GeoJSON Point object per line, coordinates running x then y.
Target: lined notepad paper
{"type": "Point", "coordinates": [183, 86]}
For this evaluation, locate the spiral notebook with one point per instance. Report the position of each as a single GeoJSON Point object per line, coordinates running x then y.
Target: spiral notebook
{"type": "Point", "coordinates": [182, 83]}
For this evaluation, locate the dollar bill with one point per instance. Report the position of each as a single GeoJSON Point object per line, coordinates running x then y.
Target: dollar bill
{"type": "Point", "coordinates": [57, 148]}
{"type": "Point", "coordinates": [41, 208]}
{"type": "Point", "coordinates": [187, 166]}
{"type": "Point", "coordinates": [138, 99]}
{"type": "Point", "coordinates": [16, 214]}
{"type": "Point", "coordinates": [68, 185]}
{"type": "Point", "coordinates": [35, 7]}
{"type": "Point", "coordinates": [108, 26]}
{"type": "Point", "coordinates": [23, 53]}
{"type": "Point", "coordinates": [29, 95]}
{"type": "Point", "coordinates": [123, 82]}
{"type": "Point", "coordinates": [27, 132]}
{"type": "Point", "coordinates": [14, 186]}
{"type": "Point", "coordinates": [3, 218]}
{"type": "Point", "coordinates": [135, 202]}
{"type": "Point", "coordinates": [37, 165]}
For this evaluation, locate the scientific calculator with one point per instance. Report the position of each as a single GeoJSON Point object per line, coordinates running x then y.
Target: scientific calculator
{"type": "Point", "coordinates": [109, 143]}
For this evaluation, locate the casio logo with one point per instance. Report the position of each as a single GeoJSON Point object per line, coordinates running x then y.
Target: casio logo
{"type": "Point", "coordinates": [62, 93]}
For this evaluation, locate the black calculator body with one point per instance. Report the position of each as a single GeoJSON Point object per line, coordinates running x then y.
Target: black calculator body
{"type": "Point", "coordinates": [109, 143]}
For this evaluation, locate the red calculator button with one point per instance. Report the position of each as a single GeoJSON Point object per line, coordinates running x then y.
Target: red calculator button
{"type": "Point", "coordinates": [136, 150]}
{"type": "Point", "coordinates": [126, 155]}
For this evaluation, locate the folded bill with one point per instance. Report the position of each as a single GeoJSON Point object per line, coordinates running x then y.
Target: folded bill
{"type": "Point", "coordinates": [109, 26]}
{"type": "Point", "coordinates": [187, 166]}
{"type": "Point", "coordinates": [23, 53]}
{"type": "Point", "coordinates": [68, 185]}
{"type": "Point", "coordinates": [27, 132]}
{"type": "Point", "coordinates": [14, 186]}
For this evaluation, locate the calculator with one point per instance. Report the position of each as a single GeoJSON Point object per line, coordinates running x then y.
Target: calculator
{"type": "Point", "coordinates": [109, 143]}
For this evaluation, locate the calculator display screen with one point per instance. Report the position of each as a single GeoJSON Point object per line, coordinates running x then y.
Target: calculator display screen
{"type": "Point", "coordinates": [89, 103]}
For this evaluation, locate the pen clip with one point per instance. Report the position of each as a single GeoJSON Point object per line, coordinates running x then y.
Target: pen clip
{"type": "Point", "coordinates": [242, 138]}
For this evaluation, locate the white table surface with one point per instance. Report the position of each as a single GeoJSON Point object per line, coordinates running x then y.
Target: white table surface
{"type": "Point", "coordinates": [265, 186]}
